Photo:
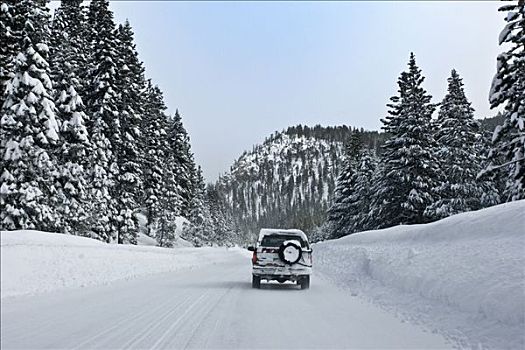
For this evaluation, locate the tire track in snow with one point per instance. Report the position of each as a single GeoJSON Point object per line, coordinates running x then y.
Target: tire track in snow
{"type": "Point", "coordinates": [45, 325]}
{"type": "Point", "coordinates": [190, 327]}
{"type": "Point", "coordinates": [121, 325]}
{"type": "Point", "coordinates": [214, 307]}
{"type": "Point", "coordinates": [170, 329]}
{"type": "Point", "coordinates": [206, 316]}
{"type": "Point", "coordinates": [156, 322]}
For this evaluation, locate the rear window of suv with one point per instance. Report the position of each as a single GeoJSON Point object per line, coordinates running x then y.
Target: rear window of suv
{"type": "Point", "coordinates": [277, 240]}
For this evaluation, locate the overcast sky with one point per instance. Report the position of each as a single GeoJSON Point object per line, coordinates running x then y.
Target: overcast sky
{"type": "Point", "coordinates": [238, 71]}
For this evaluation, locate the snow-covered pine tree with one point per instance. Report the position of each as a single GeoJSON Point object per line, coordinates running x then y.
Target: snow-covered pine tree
{"type": "Point", "coordinates": [177, 168]}
{"type": "Point", "coordinates": [9, 48]}
{"type": "Point", "coordinates": [223, 232]}
{"type": "Point", "coordinates": [183, 163]}
{"type": "Point", "coordinates": [410, 171]}
{"type": "Point", "coordinates": [200, 217]}
{"type": "Point", "coordinates": [169, 199]}
{"type": "Point", "coordinates": [197, 200]}
{"type": "Point", "coordinates": [104, 122]}
{"type": "Point", "coordinates": [12, 21]}
{"type": "Point", "coordinates": [365, 171]}
{"type": "Point", "coordinates": [130, 84]}
{"type": "Point", "coordinates": [508, 90]}
{"type": "Point", "coordinates": [166, 228]}
{"type": "Point", "coordinates": [345, 203]}
{"type": "Point", "coordinates": [498, 178]}
{"type": "Point", "coordinates": [458, 136]}
{"type": "Point", "coordinates": [68, 61]}
{"type": "Point", "coordinates": [69, 40]}
{"type": "Point", "coordinates": [156, 150]}
{"type": "Point", "coordinates": [29, 130]}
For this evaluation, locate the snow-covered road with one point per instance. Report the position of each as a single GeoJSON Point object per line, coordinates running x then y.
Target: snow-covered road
{"type": "Point", "coordinates": [212, 306]}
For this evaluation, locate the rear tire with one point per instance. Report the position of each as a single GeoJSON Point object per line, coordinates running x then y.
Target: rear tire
{"type": "Point", "coordinates": [256, 281]}
{"type": "Point", "coordinates": [305, 282]}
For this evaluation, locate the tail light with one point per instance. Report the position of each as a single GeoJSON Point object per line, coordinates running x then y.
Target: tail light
{"type": "Point", "coordinates": [254, 257]}
{"type": "Point", "coordinates": [269, 250]}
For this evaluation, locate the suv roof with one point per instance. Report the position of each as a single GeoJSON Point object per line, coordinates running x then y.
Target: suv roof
{"type": "Point", "coordinates": [288, 232]}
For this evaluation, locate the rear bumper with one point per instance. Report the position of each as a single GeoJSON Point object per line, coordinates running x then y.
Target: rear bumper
{"type": "Point", "coordinates": [287, 272]}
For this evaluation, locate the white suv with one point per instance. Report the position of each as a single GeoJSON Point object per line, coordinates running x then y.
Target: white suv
{"type": "Point", "coordinates": [282, 255]}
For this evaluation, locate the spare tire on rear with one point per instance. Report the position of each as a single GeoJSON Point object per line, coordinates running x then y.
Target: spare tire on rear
{"type": "Point", "coordinates": [290, 252]}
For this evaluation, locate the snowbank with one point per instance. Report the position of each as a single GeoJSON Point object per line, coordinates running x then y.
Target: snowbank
{"type": "Point", "coordinates": [464, 276]}
{"type": "Point", "coordinates": [144, 239]}
{"type": "Point", "coordinates": [34, 262]}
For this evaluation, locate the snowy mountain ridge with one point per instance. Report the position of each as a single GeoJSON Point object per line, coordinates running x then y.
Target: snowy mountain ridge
{"type": "Point", "coordinates": [285, 182]}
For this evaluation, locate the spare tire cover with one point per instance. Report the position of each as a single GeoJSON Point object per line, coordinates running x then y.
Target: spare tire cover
{"type": "Point", "coordinates": [290, 252]}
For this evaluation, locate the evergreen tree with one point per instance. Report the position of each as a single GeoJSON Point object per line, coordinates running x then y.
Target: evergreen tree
{"type": "Point", "coordinates": [29, 130]}
{"type": "Point", "coordinates": [197, 200]}
{"type": "Point", "coordinates": [12, 22]}
{"type": "Point", "coordinates": [223, 232]}
{"type": "Point", "coordinates": [366, 169]}
{"type": "Point", "coordinates": [183, 164]}
{"type": "Point", "coordinates": [345, 206]}
{"type": "Point", "coordinates": [461, 156]}
{"type": "Point", "coordinates": [169, 203]}
{"type": "Point", "coordinates": [68, 62]}
{"type": "Point", "coordinates": [508, 90]}
{"type": "Point", "coordinates": [169, 198]}
{"type": "Point", "coordinates": [69, 40]}
{"type": "Point", "coordinates": [410, 171]}
{"type": "Point", "coordinates": [199, 216]}
{"type": "Point", "coordinates": [156, 151]}
{"type": "Point", "coordinates": [130, 83]}
{"type": "Point", "coordinates": [165, 234]}
{"type": "Point", "coordinates": [104, 122]}
{"type": "Point", "coordinates": [497, 178]}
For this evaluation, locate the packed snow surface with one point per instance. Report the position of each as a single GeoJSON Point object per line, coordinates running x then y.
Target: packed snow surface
{"type": "Point", "coordinates": [34, 262]}
{"type": "Point", "coordinates": [211, 307]}
{"type": "Point", "coordinates": [463, 276]}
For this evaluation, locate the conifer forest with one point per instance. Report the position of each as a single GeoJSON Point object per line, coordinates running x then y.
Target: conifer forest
{"type": "Point", "coordinates": [88, 148]}
{"type": "Point", "coordinates": [262, 174]}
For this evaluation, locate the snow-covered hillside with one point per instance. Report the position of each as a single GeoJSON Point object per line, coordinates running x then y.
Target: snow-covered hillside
{"type": "Point", "coordinates": [463, 276]}
{"type": "Point", "coordinates": [34, 262]}
{"type": "Point", "coordinates": [287, 181]}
